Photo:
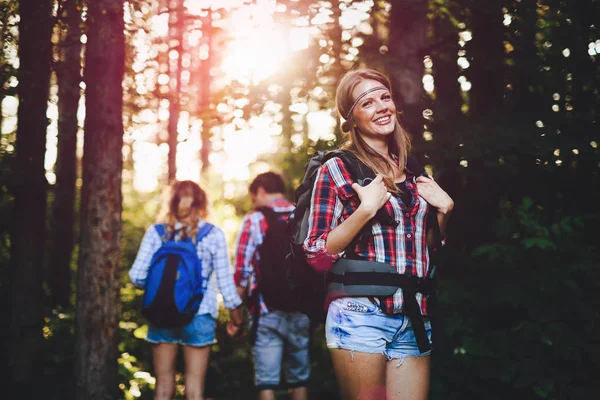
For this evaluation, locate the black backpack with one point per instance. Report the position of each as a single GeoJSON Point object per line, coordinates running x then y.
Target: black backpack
{"type": "Point", "coordinates": [273, 283]}
{"type": "Point", "coordinates": [272, 280]}
{"type": "Point", "coordinates": [285, 281]}
{"type": "Point", "coordinates": [303, 280]}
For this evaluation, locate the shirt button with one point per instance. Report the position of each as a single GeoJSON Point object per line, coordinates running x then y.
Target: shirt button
{"type": "Point", "coordinates": [409, 257]}
{"type": "Point", "coordinates": [409, 235]}
{"type": "Point", "coordinates": [407, 215]}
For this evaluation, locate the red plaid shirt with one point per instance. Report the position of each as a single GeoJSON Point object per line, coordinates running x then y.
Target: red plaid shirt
{"type": "Point", "coordinates": [403, 246]}
{"type": "Point", "coordinates": [250, 237]}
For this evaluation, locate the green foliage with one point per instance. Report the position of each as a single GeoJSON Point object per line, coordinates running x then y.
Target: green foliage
{"type": "Point", "coordinates": [523, 312]}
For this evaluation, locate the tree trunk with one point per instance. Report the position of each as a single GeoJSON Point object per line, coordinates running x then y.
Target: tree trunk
{"type": "Point", "coordinates": [205, 93]}
{"type": "Point", "coordinates": [68, 73]}
{"type": "Point", "coordinates": [98, 308]}
{"type": "Point", "coordinates": [27, 242]}
{"type": "Point", "coordinates": [337, 68]}
{"type": "Point", "coordinates": [526, 99]}
{"type": "Point", "coordinates": [486, 51]}
{"type": "Point", "coordinates": [408, 29]}
{"type": "Point", "coordinates": [448, 100]}
{"type": "Point", "coordinates": [176, 16]}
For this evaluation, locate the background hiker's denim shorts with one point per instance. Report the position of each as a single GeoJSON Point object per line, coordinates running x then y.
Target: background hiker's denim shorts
{"type": "Point", "coordinates": [200, 332]}
{"type": "Point", "coordinates": [355, 323]}
{"type": "Point", "coordinates": [281, 345]}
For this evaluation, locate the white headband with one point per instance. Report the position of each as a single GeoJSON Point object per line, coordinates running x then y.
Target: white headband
{"type": "Point", "coordinates": [361, 96]}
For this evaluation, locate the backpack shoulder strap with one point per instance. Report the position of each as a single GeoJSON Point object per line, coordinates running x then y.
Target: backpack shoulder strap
{"type": "Point", "coordinates": [204, 231]}
{"type": "Point", "coordinates": [359, 171]}
{"type": "Point", "coordinates": [160, 229]}
{"type": "Point", "coordinates": [416, 168]}
{"type": "Point", "coordinates": [363, 175]}
{"type": "Point", "coordinates": [268, 212]}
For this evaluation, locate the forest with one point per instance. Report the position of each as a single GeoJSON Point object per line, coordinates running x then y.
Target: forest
{"type": "Point", "coordinates": [104, 102]}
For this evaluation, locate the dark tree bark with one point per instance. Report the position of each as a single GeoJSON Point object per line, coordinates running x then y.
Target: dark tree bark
{"type": "Point", "coordinates": [408, 29]}
{"type": "Point", "coordinates": [98, 308]}
{"type": "Point", "coordinates": [27, 241]}
{"type": "Point", "coordinates": [68, 71]}
{"type": "Point", "coordinates": [337, 69]}
{"type": "Point", "coordinates": [486, 52]}
{"type": "Point", "coordinates": [176, 16]}
{"type": "Point", "coordinates": [448, 100]}
{"type": "Point", "coordinates": [525, 97]}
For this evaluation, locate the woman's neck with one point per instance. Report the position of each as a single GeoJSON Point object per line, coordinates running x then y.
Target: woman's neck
{"type": "Point", "coordinates": [379, 145]}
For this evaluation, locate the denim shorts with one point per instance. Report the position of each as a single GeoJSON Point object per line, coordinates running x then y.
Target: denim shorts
{"type": "Point", "coordinates": [200, 332]}
{"type": "Point", "coordinates": [282, 342]}
{"type": "Point", "coordinates": [356, 324]}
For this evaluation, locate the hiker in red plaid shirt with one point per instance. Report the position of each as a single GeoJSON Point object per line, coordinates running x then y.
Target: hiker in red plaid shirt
{"type": "Point", "coordinates": [281, 340]}
{"type": "Point", "coordinates": [371, 340]}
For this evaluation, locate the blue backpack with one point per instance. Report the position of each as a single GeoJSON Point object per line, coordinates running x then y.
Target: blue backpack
{"type": "Point", "coordinates": [174, 284]}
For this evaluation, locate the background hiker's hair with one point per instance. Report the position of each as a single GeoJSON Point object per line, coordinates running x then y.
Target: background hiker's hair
{"type": "Point", "coordinates": [399, 140]}
{"type": "Point", "coordinates": [269, 181]}
{"type": "Point", "coordinates": [185, 202]}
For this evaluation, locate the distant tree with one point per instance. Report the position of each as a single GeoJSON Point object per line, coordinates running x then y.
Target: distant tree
{"type": "Point", "coordinates": [408, 29]}
{"type": "Point", "coordinates": [205, 83]}
{"type": "Point", "coordinates": [27, 241]}
{"type": "Point", "coordinates": [68, 73]}
{"type": "Point", "coordinates": [98, 308]}
{"type": "Point", "coordinates": [176, 48]}
{"type": "Point", "coordinates": [7, 13]}
{"type": "Point", "coordinates": [486, 53]}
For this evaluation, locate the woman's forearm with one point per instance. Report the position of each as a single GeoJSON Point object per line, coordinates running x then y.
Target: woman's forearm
{"type": "Point", "coordinates": [443, 215]}
{"type": "Point", "coordinates": [340, 237]}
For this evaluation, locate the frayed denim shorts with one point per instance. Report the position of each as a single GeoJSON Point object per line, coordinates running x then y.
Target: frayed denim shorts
{"type": "Point", "coordinates": [200, 332]}
{"type": "Point", "coordinates": [357, 324]}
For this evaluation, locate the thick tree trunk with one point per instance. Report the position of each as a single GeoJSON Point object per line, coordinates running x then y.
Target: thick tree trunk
{"type": "Point", "coordinates": [98, 308]}
{"type": "Point", "coordinates": [448, 100]}
{"type": "Point", "coordinates": [408, 29]}
{"type": "Point", "coordinates": [337, 69]}
{"type": "Point", "coordinates": [524, 76]}
{"type": "Point", "coordinates": [176, 16]}
{"type": "Point", "coordinates": [69, 78]}
{"type": "Point", "coordinates": [486, 52]}
{"type": "Point", "coordinates": [27, 241]}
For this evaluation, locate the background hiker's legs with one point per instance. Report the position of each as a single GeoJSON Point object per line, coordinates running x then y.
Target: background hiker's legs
{"type": "Point", "coordinates": [266, 395]}
{"type": "Point", "coordinates": [196, 364]}
{"type": "Point", "coordinates": [300, 393]}
{"type": "Point", "coordinates": [267, 352]}
{"type": "Point", "coordinates": [408, 379]}
{"type": "Point", "coordinates": [163, 357]}
{"type": "Point", "coordinates": [296, 363]}
{"type": "Point", "coordinates": [360, 376]}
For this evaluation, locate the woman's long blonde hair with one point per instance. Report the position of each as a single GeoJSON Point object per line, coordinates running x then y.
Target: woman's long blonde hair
{"type": "Point", "coordinates": [398, 141]}
{"type": "Point", "coordinates": [184, 202]}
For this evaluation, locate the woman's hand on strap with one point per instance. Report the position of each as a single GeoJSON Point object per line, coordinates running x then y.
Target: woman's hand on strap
{"type": "Point", "coordinates": [373, 196]}
{"type": "Point", "coordinates": [434, 194]}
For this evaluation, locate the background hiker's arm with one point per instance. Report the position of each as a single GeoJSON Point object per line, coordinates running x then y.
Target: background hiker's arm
{"type": "Point", "coordinates": [139, 270]}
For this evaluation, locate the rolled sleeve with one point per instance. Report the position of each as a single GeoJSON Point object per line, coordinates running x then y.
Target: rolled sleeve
{"type": "Point", "coordinates": [324, 215]}
{"type": "Point", "coordinates": [149, 245]}
{"type": "Point", "coordinates": [244, 252]}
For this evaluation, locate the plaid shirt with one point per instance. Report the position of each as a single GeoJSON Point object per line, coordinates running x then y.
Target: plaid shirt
{"type": "Point", "coordinates": [250, 237]}
{"type": "Point", "coordinates": [403, 246]}
{"type": "Point", "coordinates": [212, 250]}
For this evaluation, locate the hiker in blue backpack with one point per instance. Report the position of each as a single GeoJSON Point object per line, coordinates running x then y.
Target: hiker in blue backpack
{"type": "Point", "coordinates": [379, 344]}
{"type": "Point", "coordinates": [279, 333]}
{"type": "Point", "coordinates": [175, 265]}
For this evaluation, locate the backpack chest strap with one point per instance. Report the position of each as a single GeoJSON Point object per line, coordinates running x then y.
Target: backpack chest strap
{"type": "Point", "coordinates": [361, 278]}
